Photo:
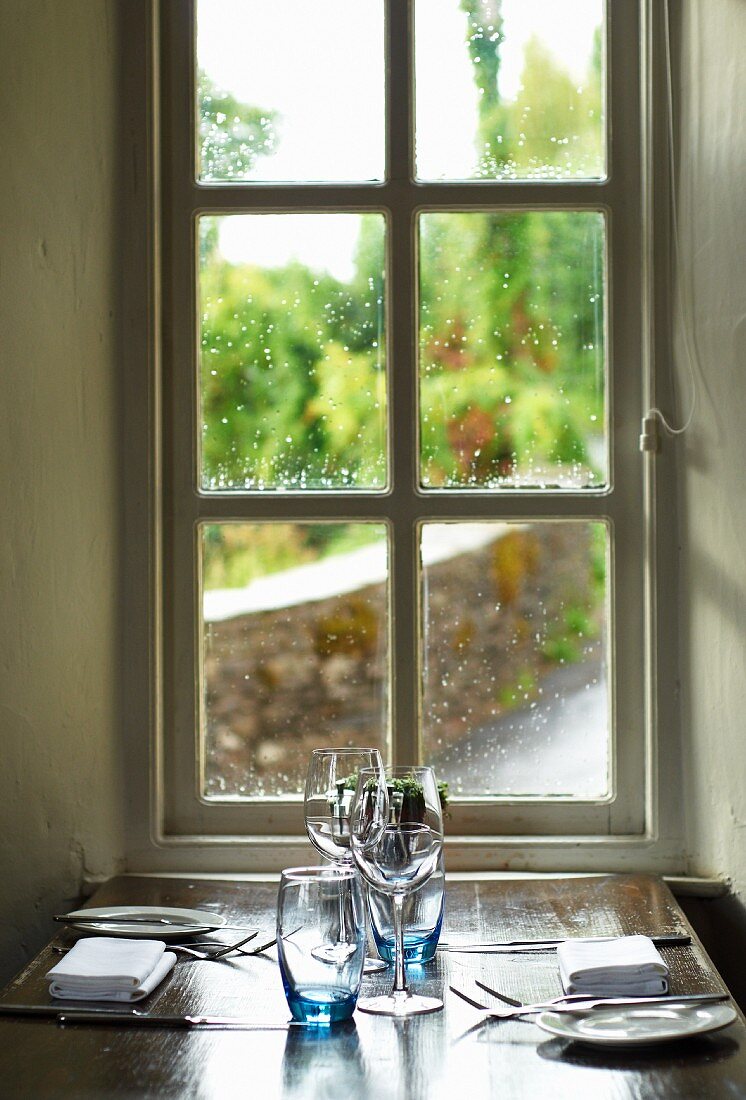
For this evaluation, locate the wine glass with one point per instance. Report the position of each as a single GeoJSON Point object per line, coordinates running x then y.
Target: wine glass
{"type": "Point", "coordinates": [330, 786]}
{"type": "Point", "coordinates": [396, 828]}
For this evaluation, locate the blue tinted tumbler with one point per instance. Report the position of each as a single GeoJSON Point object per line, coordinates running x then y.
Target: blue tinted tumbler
{"type": "Point", "coordinates": [321, 942]}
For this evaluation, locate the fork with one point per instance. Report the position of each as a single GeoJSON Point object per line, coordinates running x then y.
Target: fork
{"type": "Point", "coordinates": [218, 951]}
{"type": "Point", "coordinates": [579, 998]}
{"type": "Point", "coordinates": [212, 955]}
{"type": "Point", "coordinates": [257, 950]}
{"type": "Point", "coordinates": [500, 996]}
{"type": "Point", "coordinates": [194, 948]}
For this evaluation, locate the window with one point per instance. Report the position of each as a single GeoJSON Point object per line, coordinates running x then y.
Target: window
{"type": "Point", "coordinates": [404, 502]}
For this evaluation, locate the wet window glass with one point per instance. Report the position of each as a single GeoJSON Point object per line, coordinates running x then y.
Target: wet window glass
{"type": "Point", "coordinates": [294, 649]}
{"type": "Point", "coordinates": [512, 361]}
{"type": "Point", "coordinates": [290, 92]}
{"type": "Point", "coordinates": [292, 365]}
{"type": "Point", "coordinates": [510, 89]}
{"type": "Point", "coordinates": [515, 642]}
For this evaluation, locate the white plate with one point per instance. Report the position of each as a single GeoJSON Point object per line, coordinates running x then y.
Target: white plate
{"type": "Point", "coordinates": [623, 1027]}
{"type": "Point", "coordinates": [192, 922]}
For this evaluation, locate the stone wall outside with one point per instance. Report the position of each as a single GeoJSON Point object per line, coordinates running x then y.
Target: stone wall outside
{"type": "Point", "coordinates": [280, 683]}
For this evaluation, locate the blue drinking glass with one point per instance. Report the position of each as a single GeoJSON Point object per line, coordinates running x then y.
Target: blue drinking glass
{"type": "Point", "coordinates": [320, 942]}
{"type": "Point", "coordinates": [423, 919]}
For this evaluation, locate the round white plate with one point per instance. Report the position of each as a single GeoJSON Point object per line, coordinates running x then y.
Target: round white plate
{"type": "Point", "coordinates": [191, 922]}
{"type": "Point", "coordinates": [623, 1027]}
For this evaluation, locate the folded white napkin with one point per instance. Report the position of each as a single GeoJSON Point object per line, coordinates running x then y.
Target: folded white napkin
{"type": "Point", "coordinates": [627, 966]}
{"type": "Point", "coordinates": [103, 968]}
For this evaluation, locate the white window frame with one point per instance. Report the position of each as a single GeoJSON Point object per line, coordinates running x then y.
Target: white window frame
{"type": "Point", "coordinates": [182, 828]}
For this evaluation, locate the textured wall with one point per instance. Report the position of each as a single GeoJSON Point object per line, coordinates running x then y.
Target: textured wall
{"type": "Point", "coordinates": [60, 778]}
{"type": "Point", "coordinates": [712, 455]}
{"type": "Point", "coordinates": [61, 799]}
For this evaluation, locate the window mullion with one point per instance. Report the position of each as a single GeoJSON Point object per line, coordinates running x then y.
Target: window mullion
{"type": "Point", "coordinates": [402, 359]}
{"type": "Point", "coordinates": [441, 194]}
{"type": "Point", "coordinates": [399, 91]}
{"type": "Point", "coordinates": [404, 500]}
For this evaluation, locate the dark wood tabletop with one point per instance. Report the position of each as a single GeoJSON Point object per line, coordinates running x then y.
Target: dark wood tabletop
{"type": "Point", "coordinates": [435, 1056]}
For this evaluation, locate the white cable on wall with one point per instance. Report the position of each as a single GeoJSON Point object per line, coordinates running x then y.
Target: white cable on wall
{"type": "Point", "coordinates": [685, 307]}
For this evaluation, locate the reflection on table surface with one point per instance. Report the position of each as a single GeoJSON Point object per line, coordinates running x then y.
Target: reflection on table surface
{"type": "Point", "coordinates": [437, 1056]}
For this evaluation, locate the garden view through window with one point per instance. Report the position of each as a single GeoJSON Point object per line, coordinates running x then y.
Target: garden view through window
{"type": "Point", "coordinates": [510, 372]}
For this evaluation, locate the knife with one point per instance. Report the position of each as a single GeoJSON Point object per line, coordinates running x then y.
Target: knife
{"type": "Point", "coordinates": [115, 1016]}
{"type": "Point", "coordinates": [578, 1008]}
{"type": "Point", "coordinates": [73, 918]}
{"type": "Point", "coordinates": [130, 1019]}
{"type": "Point", "coordinates": [49, 1010]}
{"type": "Point", "coordinates": [507, 946]}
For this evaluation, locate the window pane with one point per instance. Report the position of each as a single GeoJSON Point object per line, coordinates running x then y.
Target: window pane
{"type": "Point", "coordinates": [290, 93]}
{"type": "Point", "coordinates": [512, 365]}
{"type": "Point", "coordinates": [293, 380]}
{"type": "Point", "coordinates": [515, 624]}
{"type": "Point", "coordinates": [510, 89]}
{"type": "Point", "coordinates": [295, 649]}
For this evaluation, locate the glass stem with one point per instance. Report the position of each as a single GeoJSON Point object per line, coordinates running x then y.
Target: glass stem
{"type": "Point", "coordinates": [400, 977]}
{"type": "Point", "coordinates": [346, 864]}
{"type": "Point", "coordinates": [341, 917]}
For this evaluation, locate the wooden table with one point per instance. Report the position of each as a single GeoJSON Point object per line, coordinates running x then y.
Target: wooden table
{"type": "Point", "coordinates": [425, 1058]}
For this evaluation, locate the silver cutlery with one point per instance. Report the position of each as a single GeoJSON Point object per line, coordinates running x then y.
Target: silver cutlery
{"type": "Point", "coordinates": [214, 950]}
{"type": "Point", "coordinates": [49, 1010]}
{"type": "Point", "coordinates": [177, 947]}
{"type": "Point", "coordinates": [220, 952]}
{"type": "Point", "coordinates": [116, 1017]}
{"type": "Point", "coordinates": [238, 949]}
{"type": "Point", "coordinates": [258, 950]}
{"type": "Point", "coordinates": [72, 918]}
{"type": "Point", "coordinates": [193, 948]}
{"type": "Point", "coordinates": [127, 1019]}
{"type": "Point", "coordinates": [581, 1007]}
{"type": "Point", "coordinates": [509, 946]}
{"type": "Point", "coordinates": [572, 998]}
{"type": "Point", "coordinates": [500, 996]}
{"type": "Point", "coordinates": [586, 1004]}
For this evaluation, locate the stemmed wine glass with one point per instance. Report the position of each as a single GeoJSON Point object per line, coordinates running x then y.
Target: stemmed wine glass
{"type": "Point", "coordinates": [396, 827]}
{"type": "Point", "coordinates": [330, 786]}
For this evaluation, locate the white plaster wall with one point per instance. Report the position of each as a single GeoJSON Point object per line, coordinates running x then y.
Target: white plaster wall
{"type": "Point", "coordinates": [712, 456]}
{"type": "Point", "coordinates": [61, 805]}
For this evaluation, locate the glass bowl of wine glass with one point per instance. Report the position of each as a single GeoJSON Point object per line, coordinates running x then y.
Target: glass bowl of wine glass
{"type": "Point", "coordinates": [396, 837]}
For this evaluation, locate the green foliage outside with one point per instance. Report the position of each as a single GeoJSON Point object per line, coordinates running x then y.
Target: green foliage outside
{"type": "Point", "coordinates": [293, 371]}
{"type": "Point", "coordinates": [511, 376]}
{"type": "Point", "coordinates": [231, 134]}
{"type": "Point", "coordinates": [293, 379]}
{"type": "Point", "coordinates": [234, 554]}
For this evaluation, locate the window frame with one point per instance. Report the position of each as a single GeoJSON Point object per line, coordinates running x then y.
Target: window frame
{"type": "Point", "coordinates": [180, 817]}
